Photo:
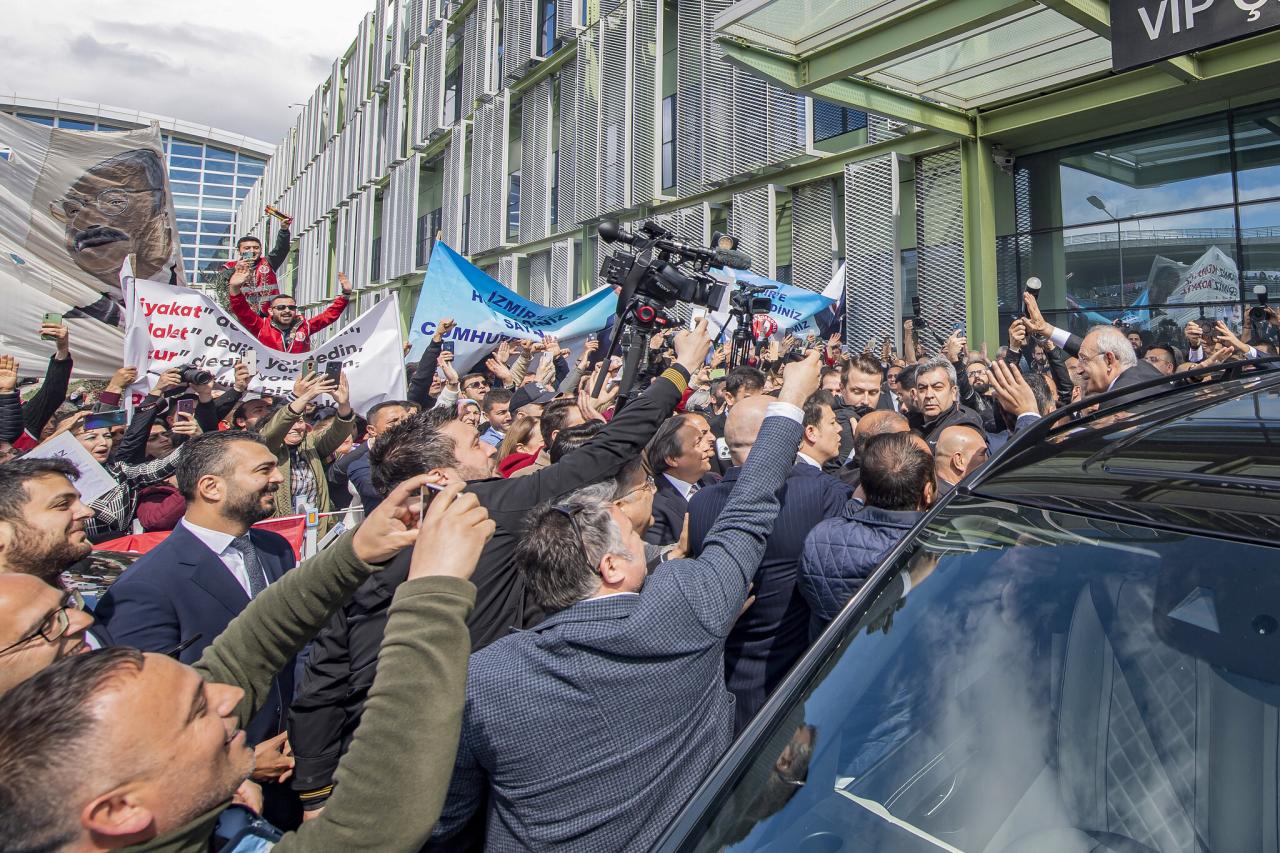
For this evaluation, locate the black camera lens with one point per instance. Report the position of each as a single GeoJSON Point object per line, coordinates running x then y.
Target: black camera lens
{"type": "Point", "coordinates": [195, 375]}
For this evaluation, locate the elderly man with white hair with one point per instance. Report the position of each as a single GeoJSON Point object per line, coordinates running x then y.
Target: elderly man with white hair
{"type": "Point", "coordinates": [1104, 359]}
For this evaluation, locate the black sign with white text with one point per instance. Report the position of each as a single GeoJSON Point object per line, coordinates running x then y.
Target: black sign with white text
{"type": "Point", "coordinates": [1145, 31]}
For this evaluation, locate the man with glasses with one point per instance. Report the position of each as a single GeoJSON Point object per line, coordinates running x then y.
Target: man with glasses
{"type": "Point", "coordinates": [283, 328]}
{"type": "Point", "coordinates": [38, 625]}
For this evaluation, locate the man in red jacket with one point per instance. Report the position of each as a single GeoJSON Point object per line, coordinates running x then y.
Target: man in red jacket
{"type": "Point", "coordinates": [283, 328]}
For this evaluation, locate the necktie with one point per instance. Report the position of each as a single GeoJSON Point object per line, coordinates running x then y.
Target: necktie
{"type": "Point", "coordinates": [252, 568]}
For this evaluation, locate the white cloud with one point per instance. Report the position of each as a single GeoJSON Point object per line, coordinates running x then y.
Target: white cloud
{"type": "Point", "coordinates": [234, 65]}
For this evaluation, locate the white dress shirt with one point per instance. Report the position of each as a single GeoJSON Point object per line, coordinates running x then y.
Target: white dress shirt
{"type": "Point", "coordinates": [808, 460]}
{"type": "Point", "coordinates": [220, 544]}
{"type": "Point", "coordinates": [686, 490]}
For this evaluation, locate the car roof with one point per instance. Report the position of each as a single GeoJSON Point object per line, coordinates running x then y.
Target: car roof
{"type": "Point", "coordinates": [1201, 458]}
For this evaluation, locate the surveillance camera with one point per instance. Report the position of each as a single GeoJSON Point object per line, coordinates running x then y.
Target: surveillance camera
{"type": "Point", "coordinates": [1002, 158]}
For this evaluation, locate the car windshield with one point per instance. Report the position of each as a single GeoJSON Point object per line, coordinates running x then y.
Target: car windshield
{"type": "Point", "coordinates": [1029, 680]}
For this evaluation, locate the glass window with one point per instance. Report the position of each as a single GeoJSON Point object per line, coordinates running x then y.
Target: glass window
{"type": "Point", "coordinates": [216, 203]}
{"type": "Point", "coordinates": [218, 178]}
{"type": "Point", "coordinates": [547, 30]}
{"type": "Point", "coordinates": [453, 96]}
{"type": "Point", "coordinates": [213, 153]}
{"type": "Point", "coordinates": [219, 166]}
{"type": "Point", "coordinates": [180, 200]}
{"type": "Point", "coordinates": [555, 189]}
{"type": "Point", "coordinates": [250, 167]}
{"type": "Point", "coordinates": [223, 192]}
{"type": "Point", "coordinates": [187, 238]}
{"type": "Point", "coordinates": [215, 216]}
{"type": "Point", "coordinates": [215, 228]}
{"type": "Point", "coordinates": [185, 175]}
{"type": "Point", "coordinates": [74, 124]}
{"type": "Point", "coordinates": [831, 120]}
{"type": "Point", "coordinates": [187, 149]}
{"type": "Point", "coordinates": [189, 252]}
{"type": "Point", "coordinates": [513, 205]}
{"type": "Point", "coordinates": [47, 121]}
{"type": "Point", "coordinates": [195, 163]}
{"type": "Point", "coordinates": [184, 187]}
{"type": "Point", "coordinates": [247, 180]}
{"type": "Point", "coordinates": [1257, 138]}
{"type": "Point", "coordinates": [1026, 680]}
{"type": "Point", "coordinates": [1152, 172]}
{"type": "Point", "coordinates": [668, 141]}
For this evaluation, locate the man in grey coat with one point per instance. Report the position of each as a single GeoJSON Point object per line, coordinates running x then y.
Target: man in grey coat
{"type": "Point", "coordinates": [592, 729]}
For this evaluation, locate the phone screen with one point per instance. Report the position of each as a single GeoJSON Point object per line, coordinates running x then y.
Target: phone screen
{"type": "Point", "coordinates": [101, 420]}
{"type": "Point", "coordinates": [333, 370]}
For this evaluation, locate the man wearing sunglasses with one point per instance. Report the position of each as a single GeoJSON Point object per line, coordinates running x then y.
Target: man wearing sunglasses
{"type": "Point", "coordinates": [283, 328]}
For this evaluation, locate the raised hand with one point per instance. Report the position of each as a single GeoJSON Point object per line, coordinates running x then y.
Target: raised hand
{"type": "Point", "coordinates": [8, 374]}
{"type": "Point", "coordinates": [243, 377]}
{"type": "Point", "coordinates": [393, 524]}
{"type": "Point", "coordinates": [309, 386]}
{"type": "Point", "coordinates": [800, 380]}
{"type": "Point", "coordinates": [1017, 334]}
{"type": "Point", "coordinates": [453, 532]}
{"type": "Point", "coordinates": [692, 346]}
{"type": "Point", "coordinates": [184, 423]}
{"type": "Point", "coordinates": [1012, 390]}
{"type": "Point", "coordinates": [171, 378]}
{"type": "Point", "coordinates": [444, 328]}
{"type": "Point", "coordinates": [344, 283]}
{"type": "Point", "coordinates": [1034, 320]}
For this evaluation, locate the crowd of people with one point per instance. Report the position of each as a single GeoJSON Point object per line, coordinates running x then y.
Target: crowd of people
{"type": "Point", "coordinates": [553, 619]}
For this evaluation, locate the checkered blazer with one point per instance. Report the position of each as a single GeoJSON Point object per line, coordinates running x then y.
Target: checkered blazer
{"type": "Point", "coordinates": [591, 730]}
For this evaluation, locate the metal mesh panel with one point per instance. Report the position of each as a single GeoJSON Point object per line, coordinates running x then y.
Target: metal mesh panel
{"type": "Point", "coordinates": [432, 106]}
{"type": "Point", "coordinates": [563, 277]}
{"type": "Point", "coordinates": [873, 271]}
{"type": "Point", "coordinates": [393, 149]}
{"type": "Point", "coordinates": [881, 129]}
{"type": "Point", "coordinates": [750, 140]}
{"type": "Point", "coordinates": [587, 71]}
{"type": "Point", "coordinates": [451, 215]}
{"type": "Point", "coordinates": [788, 123]}
{"type": "Point", "coordinates": [419, 21]}
{"type": "Point", "coordinates": [540, 278]}
{"type": "Point", "coordinates": [535, 163]}
{"type": "Point", "coordinates": [752, 221]}
{"type": "Point", "coordinates": [612, 141]}
{"type": "Point", "coordinates": [517, 36]}
{"type": "Point", "coordinates": [470, 64]}
{"type": "Point", "coordinates": [565, 23]}
{"type": "Point", "coordinates": [813, 238]}
{"type": "Point", "coordinates": [940, 238]}
{"type": "Point", "coordinates": [718, 143]}
{"type": "Point", "coordinates": [645, 103]}
{"type": "Point", "coordinates": [509, 271]}
{"type": "Point", "coordinates": [488, 176]}
{"type": "Point", "coordinates": [689, 97]}
{"type": "Point", "coordinates": [486, 47]}
{"type": "Point", "coordinates": [566, 191]}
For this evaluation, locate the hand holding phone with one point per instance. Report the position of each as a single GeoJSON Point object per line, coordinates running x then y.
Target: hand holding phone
{"type": "Point", "coordinates": [51, 318]}
{"type": "Point", "coordinates": [308, 367]}
{"type": "Point", "coordinates": [251, 360]}
{"type": "Point", "coordinates": [447, 346]}
{"type": "Point", "coordinates": [333, 372]}
{"type": "Point", "coordinates": [185, 406]}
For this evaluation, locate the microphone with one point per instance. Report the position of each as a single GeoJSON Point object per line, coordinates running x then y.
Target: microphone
{"type": "Point", "coordinates": [1033, 286]}
{"type": "Point", "coordinates": [612, 232]}
{"type": "Point", "coordinates": [732, 258]}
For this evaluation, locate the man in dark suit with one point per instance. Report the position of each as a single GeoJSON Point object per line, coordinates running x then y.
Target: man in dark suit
{"type": "Point", "coordinates": [774, 631]}
{"type": "Point", "coordinates": [680, 456]}
{"type": "Point", "coordinates": [621, 690]}
{"type": "Point", "coordinates": [381, 418]}
{"type": "Point", "coordinates": [188, 588]}
{"type": "Point", "coordinates": [1105, 358]}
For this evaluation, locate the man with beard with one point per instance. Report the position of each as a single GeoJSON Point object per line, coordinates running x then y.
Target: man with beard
{"type": "Point", "coordinates": [114, 210]}
{"type": "Point", "coordinates": [185, 591]}
{"type": "Point", "coordinates": [41, 518]}
{"type": "Point", "coordinates": [981, 396]}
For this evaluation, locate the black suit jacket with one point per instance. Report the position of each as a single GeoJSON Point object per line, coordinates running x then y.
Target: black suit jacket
{"type": "Point", "coordinates": [180, 589]}
{"type": "Point", "coordinates": [669, 508]}
{"type": "Point", "coordinates": [774, 632]}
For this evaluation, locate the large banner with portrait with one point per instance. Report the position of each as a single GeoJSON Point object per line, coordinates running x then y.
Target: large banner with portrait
{"type": "Point", "coordinates": [73, 205]}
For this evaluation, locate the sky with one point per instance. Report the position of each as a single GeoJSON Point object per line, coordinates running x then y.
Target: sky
{"type": "Point", "coordinates": [231, 64]}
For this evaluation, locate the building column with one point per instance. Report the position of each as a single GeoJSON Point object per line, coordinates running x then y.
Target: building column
{"type": "Point", "coordinates": [979, 179]}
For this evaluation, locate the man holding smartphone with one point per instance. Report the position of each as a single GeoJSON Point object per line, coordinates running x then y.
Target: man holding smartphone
{"type": "Point", "coordinates": [283, 328]}
{"type": "Point", "coordinates": [262, 269]}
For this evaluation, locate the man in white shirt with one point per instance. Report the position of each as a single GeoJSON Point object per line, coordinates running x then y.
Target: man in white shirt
{"type": "Point", "coordinates": [821, 440]}
{"type": "Point", "coordinates": [680, 455]}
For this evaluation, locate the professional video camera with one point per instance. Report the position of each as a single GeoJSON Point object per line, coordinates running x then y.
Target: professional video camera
{"type": "Point", "coordinates": [661, 271]}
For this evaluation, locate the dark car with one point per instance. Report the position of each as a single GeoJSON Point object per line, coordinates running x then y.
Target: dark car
{"type": "Point", "coordinates": [1078, 650]}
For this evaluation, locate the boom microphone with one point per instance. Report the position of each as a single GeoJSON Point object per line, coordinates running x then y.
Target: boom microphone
{"type": "Point", "coordinates": [732, 258]}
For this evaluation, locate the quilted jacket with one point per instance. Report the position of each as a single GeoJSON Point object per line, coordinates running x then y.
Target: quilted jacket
{"type": "Point", "coordinates": [840, 553]}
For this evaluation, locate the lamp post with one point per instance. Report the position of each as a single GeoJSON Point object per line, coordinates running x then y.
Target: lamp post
{"type": "Point", "coordinates": [1101, 205]}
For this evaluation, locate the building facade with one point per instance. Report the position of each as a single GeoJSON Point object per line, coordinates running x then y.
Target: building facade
{"type": "Point", "coordinates": [510, 128]}
{"type": "Point", "coordinates": [946, 149]}
{"type": "Point", "coordinates": [210, 170]}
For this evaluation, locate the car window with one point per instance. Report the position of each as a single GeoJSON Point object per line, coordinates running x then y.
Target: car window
{"type": "Point", "coordinates": [1028, 680]}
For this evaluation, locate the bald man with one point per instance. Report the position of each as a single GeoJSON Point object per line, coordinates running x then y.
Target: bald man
{"type": "Point", "coordinates": [876, 423]}
{"type": "Point", "coordinates": [960, 450]}
{"type": "Point", "coordinates": [773, 633]}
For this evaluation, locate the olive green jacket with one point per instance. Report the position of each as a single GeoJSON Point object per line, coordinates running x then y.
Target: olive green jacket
{"type": "Point", "coordinates": [316, 447]}
{"type": "Point", "coordinates": [393, 780]}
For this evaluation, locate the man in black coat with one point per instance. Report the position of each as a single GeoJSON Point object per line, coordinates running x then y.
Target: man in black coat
{"type": "Point", "coordinates": [343, 660]}
{"type": "Point", "coordinates": [861, 384]}
{"type": "Point", "coordinates": [774, 631]}
{"type": "Point", "coordinates": [939, 398]}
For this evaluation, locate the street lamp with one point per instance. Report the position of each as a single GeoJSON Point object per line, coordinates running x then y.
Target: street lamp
{"type": "Point", "coordinates": [1101, 205]}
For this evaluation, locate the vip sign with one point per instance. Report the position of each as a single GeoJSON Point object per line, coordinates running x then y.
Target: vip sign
{"type": "Point", "coordinates": [1146, 31]}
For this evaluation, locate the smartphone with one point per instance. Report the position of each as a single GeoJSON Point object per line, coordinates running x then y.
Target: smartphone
{"type": "Point", "coordinates": [51, 318]}
{"type": "Point", "coordinates": [422, 497]}
{"type": "Point", "coordinates": [105, 420]}
{"type": "Point", "coordinates": [246, 256]}
{"type": "Point", "coordinates": [446, 346]}
{"type": "Point", "coordinates": [251, 359]}
{"type": "Point", "coordinates": [186, 406]}
{"type": "Point", "coordinates": [958, 327]}
{"type": "Point", "coordinates": [308, 367]}
{"type": "Point", "coordinates": [591, 338]}
{"type": "Point", "coordinates": [333, 371]}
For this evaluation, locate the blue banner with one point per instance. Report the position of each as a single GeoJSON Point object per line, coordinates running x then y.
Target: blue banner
{"type": "Point", "coordinates": [796, 310]}
{"type": "Point", "coordinates": [487, 313]}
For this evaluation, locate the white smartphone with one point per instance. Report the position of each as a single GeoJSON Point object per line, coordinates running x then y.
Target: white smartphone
{"type": "Point", "coordinates": [695, 315]}
{"type": "Point", "coordinates": [251, 359]}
